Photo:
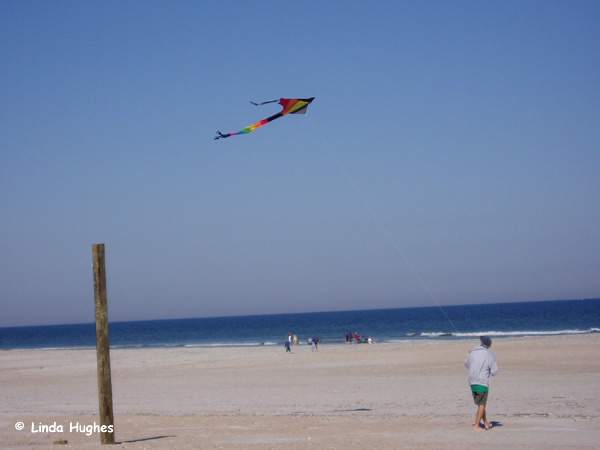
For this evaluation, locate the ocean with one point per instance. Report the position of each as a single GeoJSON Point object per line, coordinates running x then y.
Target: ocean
{"type": "Point", "coordinates": [383, 325]}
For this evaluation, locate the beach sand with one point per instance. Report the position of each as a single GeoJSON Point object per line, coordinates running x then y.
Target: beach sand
{"type": "Point", "coordinates": [396, 395]}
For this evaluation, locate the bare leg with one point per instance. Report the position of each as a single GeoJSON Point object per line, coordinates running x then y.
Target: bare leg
{"type": "Point", "coordinates": [478, 416]}
{"type": "Point", "coordinates": [486, 424]}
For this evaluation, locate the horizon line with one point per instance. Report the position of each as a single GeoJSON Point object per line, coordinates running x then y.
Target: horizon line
{"type": "Point", "coordinates": [305, 312]}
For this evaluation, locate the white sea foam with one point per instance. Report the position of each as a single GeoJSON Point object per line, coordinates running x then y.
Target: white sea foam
{"type": "Point", "coordinates": [58, 348]}
{"type": "Point", "coordinates": [437, 334]}
{"type": "Point", "coordinates": [508, 333]}
{"type": "Point", "coordinates": [232, 344]}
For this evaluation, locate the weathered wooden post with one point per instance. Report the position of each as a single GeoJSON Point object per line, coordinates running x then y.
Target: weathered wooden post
{"type": "Point", "coordinates": [103, 347]}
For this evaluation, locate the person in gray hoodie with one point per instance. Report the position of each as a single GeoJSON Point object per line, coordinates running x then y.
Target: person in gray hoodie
{"type": "Point", "coordinates": [481, 364]}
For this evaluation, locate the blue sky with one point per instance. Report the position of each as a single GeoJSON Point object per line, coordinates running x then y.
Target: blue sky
{"type": "Point", "coordinates": [451, 156]}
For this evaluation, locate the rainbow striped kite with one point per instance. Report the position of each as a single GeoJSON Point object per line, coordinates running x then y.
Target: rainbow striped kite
{"type": "Point", "coordinates": [290, 106]}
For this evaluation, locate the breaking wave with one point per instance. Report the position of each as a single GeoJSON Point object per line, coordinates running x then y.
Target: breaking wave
{"type": "Point", "coordinates": [436, 334]}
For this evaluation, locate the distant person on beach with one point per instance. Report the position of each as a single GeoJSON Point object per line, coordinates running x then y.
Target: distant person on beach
{"type": "Point", "coordinates": [315, 343]}
{"type": "Point", "coordinates": [288, 343]}
{"type": "Point", "coordinates": [481, 364]}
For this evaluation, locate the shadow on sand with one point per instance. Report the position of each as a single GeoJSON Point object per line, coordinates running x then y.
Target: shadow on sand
{"type": "Point", "coordinates": [130, 441]}
{"type": "Point", "coordinates": [352, 410]}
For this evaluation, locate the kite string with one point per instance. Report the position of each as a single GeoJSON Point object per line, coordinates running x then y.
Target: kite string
{"type": "Point", "coordinates": [417, 274]}
{"type": "Point", "coordinates": [390, 238]}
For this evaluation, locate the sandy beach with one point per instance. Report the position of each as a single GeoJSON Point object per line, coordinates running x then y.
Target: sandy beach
{"type": "Point", "coordinates": [395, 395]}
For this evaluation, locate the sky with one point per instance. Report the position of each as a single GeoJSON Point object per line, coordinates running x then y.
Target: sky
{"type": "Point", "coordinates": [451, 156]}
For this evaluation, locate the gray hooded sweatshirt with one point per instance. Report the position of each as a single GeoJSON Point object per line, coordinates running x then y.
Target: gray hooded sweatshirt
{"type": "Point", "coordinates": [481, 364]}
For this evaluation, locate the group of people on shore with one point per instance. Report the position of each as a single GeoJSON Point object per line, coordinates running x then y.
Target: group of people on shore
{"type": "Point", "coordinates": [357, 338]}
{"type": "Point", "coordinates": [293, 339]}
{"type": "Point", "coordinates": [314, 341]}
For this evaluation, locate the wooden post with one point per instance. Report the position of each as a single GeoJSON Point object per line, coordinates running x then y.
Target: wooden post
{"type": "Point", "coordinates": [102, 346]}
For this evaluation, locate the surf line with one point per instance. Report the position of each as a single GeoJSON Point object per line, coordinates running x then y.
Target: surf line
{"type": "Point", "coordinates": [394, 244]}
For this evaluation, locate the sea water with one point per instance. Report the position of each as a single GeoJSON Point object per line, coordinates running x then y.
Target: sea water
{"type": "Point", "coordinates": [383, 325]}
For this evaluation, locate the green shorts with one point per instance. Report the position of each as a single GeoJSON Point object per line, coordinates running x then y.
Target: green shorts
{"type": "Point", "coordinates": [480, 398]}
{"type": "Point", "coordinates": [480, 394]}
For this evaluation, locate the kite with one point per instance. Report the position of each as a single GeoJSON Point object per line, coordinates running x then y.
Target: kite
{"type": "Point", "coordinates": [289, 105]}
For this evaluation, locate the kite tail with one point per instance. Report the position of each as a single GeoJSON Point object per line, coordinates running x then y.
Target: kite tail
{"type": "Point", "coordinates": [222, 135]}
